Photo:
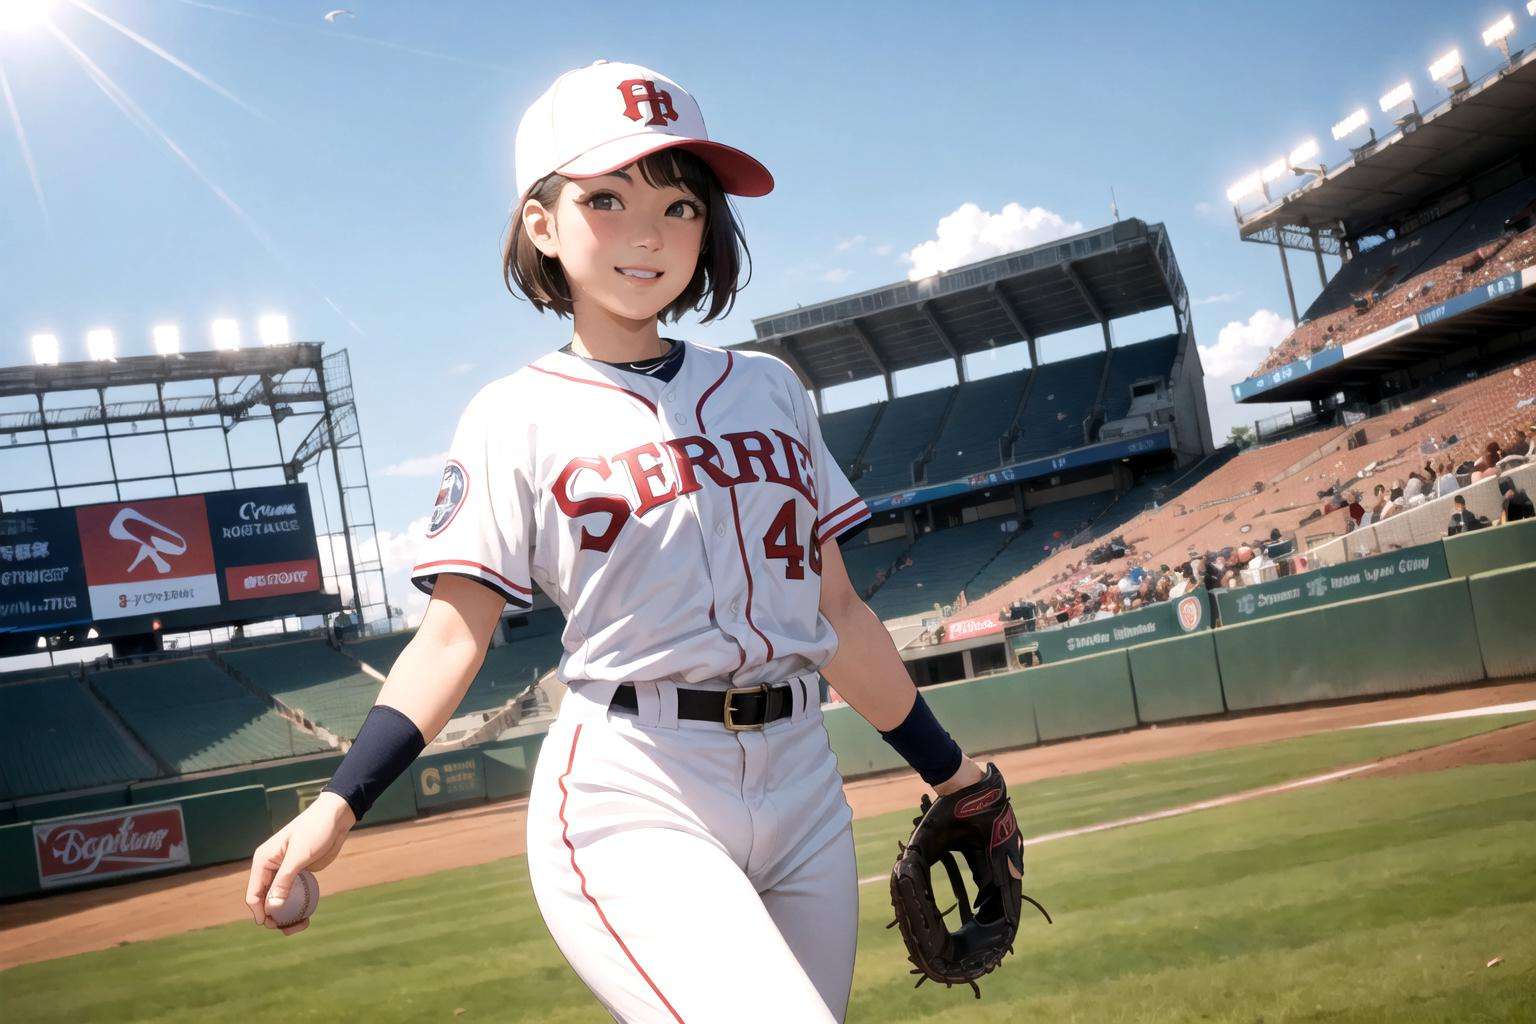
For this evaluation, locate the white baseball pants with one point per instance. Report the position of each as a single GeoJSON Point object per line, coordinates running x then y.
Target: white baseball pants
{"type": "Point", "coordinates": [693, 874]}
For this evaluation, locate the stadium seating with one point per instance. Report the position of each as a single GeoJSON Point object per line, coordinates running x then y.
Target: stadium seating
{"type": "Point", "coordinates": [1130, 363]}
{"type": "Point", "coordinates": [865, 561]}
{"type": "Point", "coordinates": [905, 429]}
{"type": "Point", "coordinates": [54, 737]}
{"type": "Point", "coordinates": [1466, 248]}
{"type": "Point", "coordinates": [327, 687]}
{"type": "Point", "coordinates": [379, 652]}
{"type": "Point", "coordinates": [1241, 497]}
{"type": "Point", "coordinates": [195, 717]}
{"type": "Point", "coordinates": [983, 411]}
{"type": "Point", "coordinates": [510, 669]}
{"type": "Point", "coordinates": [1059, 401]}
{"type": "Point", "coordinates": [844, 432]}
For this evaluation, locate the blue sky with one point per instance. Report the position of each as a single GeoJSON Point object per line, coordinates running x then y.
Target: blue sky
{"type": "Point", "coordinates": [372, 161]}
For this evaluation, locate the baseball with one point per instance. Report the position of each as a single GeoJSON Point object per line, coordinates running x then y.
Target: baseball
{"type": "Point", "coordinates": [302, 900]}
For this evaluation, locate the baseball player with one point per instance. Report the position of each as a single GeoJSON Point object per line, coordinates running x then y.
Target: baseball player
{"type": "Point", "coordinates": [688, 839]}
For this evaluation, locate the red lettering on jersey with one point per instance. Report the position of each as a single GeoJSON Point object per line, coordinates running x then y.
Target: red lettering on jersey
{"type": "Point", "coordinates": [802, 470]}
{"type": "Point", "coordinates": [687, 461]}
{"type": "Point", "coordinates": [573, 507]}
{"type": "Point", "coordinates": [753, 446]}
{"type": "Point", "coordinates": [643, 475]}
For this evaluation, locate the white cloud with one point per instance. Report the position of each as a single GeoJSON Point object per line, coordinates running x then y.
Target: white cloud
{"type": "Point", "coordinates": [1242, 345]}
{"type": "Point", "coordinates": [881, 250]}
{"type": "Point", "coordinates": [971, 233]}
{"type": "Point", "coordinates": [1211, 300]}
{"type": "Point", "coordinates": [421, 465]}
{"type": "Point", "coordinates": [849, 243]}
{"type": "Point", "coordinates": [397, 554]}
{"type": "Point", "coordinates": [836, 275]}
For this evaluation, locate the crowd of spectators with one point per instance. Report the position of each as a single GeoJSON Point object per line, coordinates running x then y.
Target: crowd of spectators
{"type": "Point", "coordinates": [1376, 309]}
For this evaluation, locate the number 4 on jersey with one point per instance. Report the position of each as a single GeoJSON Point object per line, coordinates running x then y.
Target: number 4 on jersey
{"type": "Point", "coordinates": [782, 541]}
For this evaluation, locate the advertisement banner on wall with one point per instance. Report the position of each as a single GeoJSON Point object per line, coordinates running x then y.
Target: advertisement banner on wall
{"type": "Point", "coordinates": [93, 848]}
{"type": "Point", "coordinates": [1170, 618]}
{"type": "Point", "coordinates": [1424, 563]}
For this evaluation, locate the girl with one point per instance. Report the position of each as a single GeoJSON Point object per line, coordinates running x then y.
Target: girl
{"type": "Point", "coordinates": [688, 840]}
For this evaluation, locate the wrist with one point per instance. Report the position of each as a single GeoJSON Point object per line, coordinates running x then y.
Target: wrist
{"type": "Point", "coordinates": [968, 774]}
{"type": "Point", "coordinates": [336, 807]}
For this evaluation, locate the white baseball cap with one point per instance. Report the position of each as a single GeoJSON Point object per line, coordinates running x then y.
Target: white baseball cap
{"type": "Point", "coordinates": [607, 115]}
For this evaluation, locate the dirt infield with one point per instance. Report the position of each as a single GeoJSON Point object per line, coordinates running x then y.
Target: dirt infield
{"type": "Point", "coordinates": [77, 922]}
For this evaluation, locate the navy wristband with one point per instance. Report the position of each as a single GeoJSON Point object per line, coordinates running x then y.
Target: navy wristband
{"type": "Point", "coordinates": [924, 744]}
{"type": "Point", "coordinates": [385, 746]}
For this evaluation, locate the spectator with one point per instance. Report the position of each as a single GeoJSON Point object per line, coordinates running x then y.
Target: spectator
{"type": "Point", "coordinates": [1413, 490]}
{"type": "Point", "coordinates": [1487, 464]}
{"type": "Point", "coordinates": [1446, 483]}
{"type": "Point", "coordinates": [1356, 509]}
{"type": "Point", "coordinates": [1520, 445]}
{"type": "Point", "coordinates": [1378, 509]}
{"type": "Point", "coordinates": [1516, 504]}
{"type": "Point", "coordinates": [1464, 520]}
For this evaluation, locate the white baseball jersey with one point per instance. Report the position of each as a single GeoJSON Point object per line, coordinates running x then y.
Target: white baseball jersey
{"type": "Point", "coordinates": [676, 523]}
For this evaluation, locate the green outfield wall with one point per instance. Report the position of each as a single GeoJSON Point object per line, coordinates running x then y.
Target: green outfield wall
{"type": "Point", "coordinates": [1176, 678]}
{"type": "Point", "coordinates": [1410, 639]}
{"type": "Point", "coordinates": [1503, 606]}
{"type": "Point", "coordinates": [1498, 548]}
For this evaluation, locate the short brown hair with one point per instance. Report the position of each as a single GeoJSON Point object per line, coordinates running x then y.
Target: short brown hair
{"type": "Point", "coordinates": [541, 280]}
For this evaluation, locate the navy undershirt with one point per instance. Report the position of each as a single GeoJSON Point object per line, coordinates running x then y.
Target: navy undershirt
{"type": "Point", "coordinates": [664, 366]}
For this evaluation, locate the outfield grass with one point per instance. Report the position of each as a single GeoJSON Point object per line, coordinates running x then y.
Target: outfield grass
{"type": "Point", "coordinates": [1365, 900]}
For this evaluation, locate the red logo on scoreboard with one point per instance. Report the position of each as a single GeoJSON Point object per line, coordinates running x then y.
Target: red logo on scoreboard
{"type": "Point", "coordinates": [963, 629]}
{"type": "Point", "coordinates": [110, 845]}
{"type": "Point", "coordinates": [243, 582]}
{"type": "Point", "coordinates": [151, 540]}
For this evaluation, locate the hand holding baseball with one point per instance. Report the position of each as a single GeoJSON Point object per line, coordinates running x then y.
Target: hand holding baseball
{"type": "Point", "coordinates": [310, 841]}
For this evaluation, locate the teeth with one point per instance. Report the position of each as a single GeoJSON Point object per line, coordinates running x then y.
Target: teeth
{"type": "Point", "coordinates": [644, 275]}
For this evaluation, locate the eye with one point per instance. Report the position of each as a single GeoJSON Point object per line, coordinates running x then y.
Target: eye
{"type": "Point", "coordinates": [688, 208]}
{"type": "Point", "coordinates": [597, 199]}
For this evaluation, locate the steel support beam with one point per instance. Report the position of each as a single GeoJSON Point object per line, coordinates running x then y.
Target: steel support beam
{"type": "Point", "coordinates": [1076, 277]}
{"type": "Point", "coordinates": [868, 344]}
{"type": "Point", "coordinates": [1016, 319]}
{"type": "Point", "coordinates": [932, 316]}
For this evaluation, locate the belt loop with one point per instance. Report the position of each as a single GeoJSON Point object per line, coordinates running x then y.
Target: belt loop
{"type": "Point", "coordinates": [666, 705]}
{"type": "Point", "coordinates": [797, 697]}
{"type": "Point", "coordinates": [648, 703]}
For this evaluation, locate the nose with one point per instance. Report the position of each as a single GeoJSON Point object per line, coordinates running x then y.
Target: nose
{"type": "Point", "coordinates": [648, 234]}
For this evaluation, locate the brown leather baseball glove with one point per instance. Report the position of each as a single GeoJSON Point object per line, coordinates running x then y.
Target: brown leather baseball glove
{"type": "Point", "coordinates": [978, 823]}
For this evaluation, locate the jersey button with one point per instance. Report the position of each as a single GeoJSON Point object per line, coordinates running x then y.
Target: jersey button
{"type": "Point", "coordinates": [719, 529]}
{"type": "Point", "coordinates": [678, 417]}
{"type": "Point", "coordinates": [735, 607]}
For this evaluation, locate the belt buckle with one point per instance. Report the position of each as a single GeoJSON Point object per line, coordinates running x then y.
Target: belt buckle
{"type": "Point", "coordinates": [730, 722]}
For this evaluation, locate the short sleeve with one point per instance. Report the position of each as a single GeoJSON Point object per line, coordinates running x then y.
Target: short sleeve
{"type": "Point", "coordinates": [482, 517]}
{"type": "Point", "coordinates": [839, 508]}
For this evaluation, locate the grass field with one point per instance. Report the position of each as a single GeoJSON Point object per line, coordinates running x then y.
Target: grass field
{"type": "Point", "coordinates": [1362, 900]}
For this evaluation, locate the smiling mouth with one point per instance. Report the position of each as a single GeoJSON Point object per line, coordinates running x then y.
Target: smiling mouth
{"type": "Point", "coordinates": [638, 274]}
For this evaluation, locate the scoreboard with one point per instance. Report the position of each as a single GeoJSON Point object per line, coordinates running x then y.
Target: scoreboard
{"type": "Point", "coordinates": [187, 561]}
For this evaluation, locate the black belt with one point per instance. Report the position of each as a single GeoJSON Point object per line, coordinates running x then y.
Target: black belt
{"type": "Point", "coordinates": [739, 709]}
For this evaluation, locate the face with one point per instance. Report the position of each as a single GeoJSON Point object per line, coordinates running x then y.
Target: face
{"type": "Point", "coordinates": [627, 249]}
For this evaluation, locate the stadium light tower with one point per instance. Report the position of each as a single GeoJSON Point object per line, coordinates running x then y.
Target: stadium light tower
{"type": "Point", "coordinates": [1351, 124]}
{"type": "Point", "coordinates": [167, 339]}
{"type": "Point", "coordinates": [45, 349]}
{"type": "Point", "coordinates": [1498, 35]}
{"type": "Point", "coordinates": [1396, 97]}
{"type": "Point", "coordinates": [1449, 71]}
{"type": "Point", "coordinates": [1252, 184]}
{"type": "Point", "coordinates": [226, 335]}
{"type": "Point", "coordinates": [273, 330]}
{"type": "Point", "coordinates": [101, 344]}
{"type": "Point", "coordinates": [1300, 159]}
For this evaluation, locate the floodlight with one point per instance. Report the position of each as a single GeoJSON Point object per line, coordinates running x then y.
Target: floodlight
{"type": "Point", "coordinates": [1245, 187]}
{"type": "Point", "coordinates": [1302, 153]}
{"type": "Point", "coordinates": [1397, 97]}
{"type": "Point", "coordinates": [273, 330]}
{"type": "Point", "coordinates": [1530, 8]}
{"type": "Point", "coordinates": [1351, 124]}
{"type": "Point", "coordinates": [100, 343]}
{"type": "Point", "coordinates": [1448, 65]}
{"type": "Point", "coordinates": [226, 335]}
{"type": "Point", "coordinates": [1274, 170]}
{"type": "Point", "coordinates": [1499, 31]}
{"type": "Point", "coordinates": [45, 349]}
{"type": "Point", "coordinates": [167, 339]}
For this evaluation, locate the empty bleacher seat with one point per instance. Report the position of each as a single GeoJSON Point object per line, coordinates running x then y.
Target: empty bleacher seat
{"type": "Point", "coordinates": [1060, 399]}
{"type": "Point", "coordinates": [844, 432]}
{"type": "Point", "coordinates": [328, 687]}
{"type": "Point", "coordinates": [195, 717]}
{"type": "Point", "coordinates": [984, 409]}
{"type": "Point", "coordinates": [55, 737]}
{"type": "Point", "coordinates": [905, 429]}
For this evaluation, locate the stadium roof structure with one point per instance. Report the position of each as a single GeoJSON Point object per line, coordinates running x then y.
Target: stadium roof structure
{"type": "Point", "coordinates": [1490, 121]}
{"type": "Point", "coordinates": [1115, 271]}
